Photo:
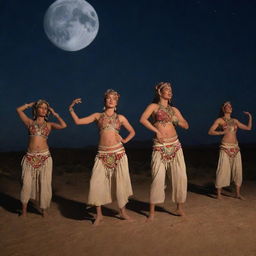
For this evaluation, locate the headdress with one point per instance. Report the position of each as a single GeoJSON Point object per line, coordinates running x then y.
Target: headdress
{"type": "Point", "coordinates": [35, 107]}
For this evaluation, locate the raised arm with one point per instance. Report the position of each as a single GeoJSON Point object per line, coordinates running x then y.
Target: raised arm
{"type": "Point", "coordinates": [247, 127]}
{"type": "Point", "coordinates": [61, 125]}
{"type": "Point", "coordinates": [182, 121]}
{"type": "Point", "coordinates": [128, 127]}
{"type": "Point", "coordinates": [85, 120]}
{"type": "Point", "coordinates": [215, 125]}
{"type": "Point", "coordinates": [24, 118]}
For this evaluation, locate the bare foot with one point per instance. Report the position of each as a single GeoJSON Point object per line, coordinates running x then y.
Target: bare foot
{"type": "Point", "coordinates": [179, 212]}
{"type": "Point", "coordinates": [125, 216]}
{"type": "Point", "coordinates": [219, 197]}
{"type": "Point", "coordinates": [45, 213]}
{"type": "Point", "coordinates": [150, 218]}
{"type": "Point", "coordinates": [97, 221]}
{"type": "Point", "coordinates": [23, 214]}
{"type": "Point", "coordinates": [240, 197]}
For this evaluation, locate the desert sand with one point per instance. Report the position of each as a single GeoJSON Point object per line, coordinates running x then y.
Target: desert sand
{"type": "Point", "coordinates": [211, 227]}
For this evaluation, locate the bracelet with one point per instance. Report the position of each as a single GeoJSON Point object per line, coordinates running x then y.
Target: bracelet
{"type": "Point", "coordinates": [71, 109]}
{"type": "Point", "coordinates": [57, 115]}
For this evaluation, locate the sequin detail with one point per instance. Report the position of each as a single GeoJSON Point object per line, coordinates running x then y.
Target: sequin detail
{"type": "Point", "coordinates": [165, 115]}
{"type": "Point", "coordinates": [39, 130]}
{"type": "Point", "coordinates": [110, 160]}
{"type": "Point", "coordinates": [230, 149]}
{"type": "Point", "coordinates": [229, 124]}
{"type": "Point", "coordinates": [36, 160]}
{"type": "Point", "coordinates": [168, 151]}
{"type": "Point", "coordinates": [106, 122]}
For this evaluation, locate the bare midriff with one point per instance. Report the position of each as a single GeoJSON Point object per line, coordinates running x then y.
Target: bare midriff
{"type": "Point", "coordinates": [230, 129]}
{"type": "Point", "coordinates": [230, 137]}
{"type": "Point", "coordinates": [37, 144]}
{"type": "Point", "coordinates": [109, 140]}
{"type": "Point", "coordinates": [167, 130]}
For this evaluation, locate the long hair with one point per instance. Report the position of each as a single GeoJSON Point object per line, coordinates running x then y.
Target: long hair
{"type": "Point", "coordinates": [37, 105]}
{"type": "Point", "coordinates": [158, 88]}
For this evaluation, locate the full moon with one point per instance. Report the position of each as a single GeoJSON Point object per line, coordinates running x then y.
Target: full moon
{"type": "Point", "coordinates": [71, 25]}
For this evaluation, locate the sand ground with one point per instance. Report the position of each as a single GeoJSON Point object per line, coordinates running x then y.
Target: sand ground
{"type": "Point", "coordinates": [211, 227]}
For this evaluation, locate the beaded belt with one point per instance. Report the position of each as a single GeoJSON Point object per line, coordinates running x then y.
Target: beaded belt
{"type": "Point", "coordinates": [110, 158]}
{"type": "Point", "coordinates": [167, 150]}
{"type": "Point", "coordinates": [230, 149]}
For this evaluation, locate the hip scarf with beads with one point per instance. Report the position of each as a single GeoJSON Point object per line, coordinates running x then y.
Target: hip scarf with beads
{"type": "Point", "coordinates": [37, 160]}
{"type": "Point", "coordinates": [110, 158]}
{"type": "Point", "coordinates": [167, 150]}
{"type": "Point", "coordinates": [230, 149]}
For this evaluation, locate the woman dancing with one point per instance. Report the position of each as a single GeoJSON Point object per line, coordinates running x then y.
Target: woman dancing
{"type": "Point", "coordinates": [167, 153]}
{"type": "Point", "coordinates": [111, 160]}
{"type": "Point", "coordinates": [37, 163]}
{"type": "Point", "coordinates": [230, 164]}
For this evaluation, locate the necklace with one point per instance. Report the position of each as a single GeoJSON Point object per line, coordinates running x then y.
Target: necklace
{"type": "Point", "coordinates": [167, 109]}
{"type": "Point", "coordinates": [229, 121]}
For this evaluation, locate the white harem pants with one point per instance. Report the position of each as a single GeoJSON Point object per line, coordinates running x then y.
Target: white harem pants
{"type": "Point", "coordinates": [229, 166]}
{"type": "Point", "coordinates": [37, 178]}
{"type": "Point", "coordinates": [176, 171]}
{"type": "Point", "coordinates": [101, 188]}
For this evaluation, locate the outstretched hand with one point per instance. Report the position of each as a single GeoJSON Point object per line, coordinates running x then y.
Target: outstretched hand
{"type": "Point", "coordinates": [247, 113]}
{"type": "Point", "coordinates": [75, 101]}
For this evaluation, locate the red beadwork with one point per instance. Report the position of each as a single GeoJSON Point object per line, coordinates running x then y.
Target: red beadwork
{"type": "Point", "coordinates": [110, 160]}
{"type": "Point", "coordinates": [168, 152]}
{"type": "Point", "coordinates": [37, 160]}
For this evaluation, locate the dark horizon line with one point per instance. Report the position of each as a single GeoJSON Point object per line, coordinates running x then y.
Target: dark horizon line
{"type": "Point", "coordinates": [144, 144]}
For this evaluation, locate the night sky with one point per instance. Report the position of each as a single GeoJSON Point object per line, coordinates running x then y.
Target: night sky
{"type": "Point", "coordinates": [206, 49]}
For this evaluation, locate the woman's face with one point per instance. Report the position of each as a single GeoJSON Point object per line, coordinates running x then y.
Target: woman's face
{"type": "Point", "coordinates": [166, 92]}
{"type": "Point", "coordinates": [42, 110]}
{"type": "Point", "coordinates": [111, 100]}
{"type": "Point", "coordinates": [227, 108]}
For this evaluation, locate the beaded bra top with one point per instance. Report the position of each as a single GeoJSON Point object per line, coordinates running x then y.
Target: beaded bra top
{"type": "Point", "coordinates": [165, 115]}
{"type": "Point", "coordinates": [229, 124]}
{"type": "Point", "coordinates": [106, 122]}
{"type": "Point", "coordinates": [36, 129]}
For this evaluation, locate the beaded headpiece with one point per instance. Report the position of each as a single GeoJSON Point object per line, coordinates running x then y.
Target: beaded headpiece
{"type": "Point", "coordinates": [35, 107]}
{"type": "Point", "coordinates": [111, 91]}
{"type": "Point", "coordinates": [161, 85]}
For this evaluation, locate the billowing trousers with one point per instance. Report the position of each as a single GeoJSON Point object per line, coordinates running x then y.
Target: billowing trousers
{"type": "Point", "coordinates": [101, 187]}
{"type": "Point", "coordinates": [37, 178]}
{"type": "Point", "coordinates": [176, 171]}
{"type": "Point", "coordinates": [229, 167]}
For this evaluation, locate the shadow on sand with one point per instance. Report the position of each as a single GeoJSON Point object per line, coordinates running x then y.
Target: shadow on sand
{"type": "Point", "coordinates": [80, 211]}
{"type": "Point", "coordinates": [207, 189]}
{"type": "Point", "coordinates": [13, 205]}
{"type": "Point", "coordinates": [141, 207]}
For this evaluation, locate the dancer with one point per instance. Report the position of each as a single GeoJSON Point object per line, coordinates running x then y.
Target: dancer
{"type": "Point", "coordinates": [230, 164]}
{"type": "Point", "coordinates": [167, 156]}
{"type": "Point", "coordinates": [111, 160]}
{"type": "Point", "coordinates": [37, 163]}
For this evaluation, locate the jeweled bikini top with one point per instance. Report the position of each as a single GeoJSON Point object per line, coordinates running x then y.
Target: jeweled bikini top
{"type": "Point", "coordinates": [165, 115]}
{"type": "Point", "coordinates": [106, 122]}
{"type": "Point", "coordinates": [229, 124]}
{"type": "Point", "coordinates": [36, 129]}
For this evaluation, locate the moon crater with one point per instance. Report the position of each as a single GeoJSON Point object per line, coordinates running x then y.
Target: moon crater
{"type": "Point", "coordinates": [71, 25]}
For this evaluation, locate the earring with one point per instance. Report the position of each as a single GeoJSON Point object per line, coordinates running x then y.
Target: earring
{"type": "Point", "coordinates": [104, 108]}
